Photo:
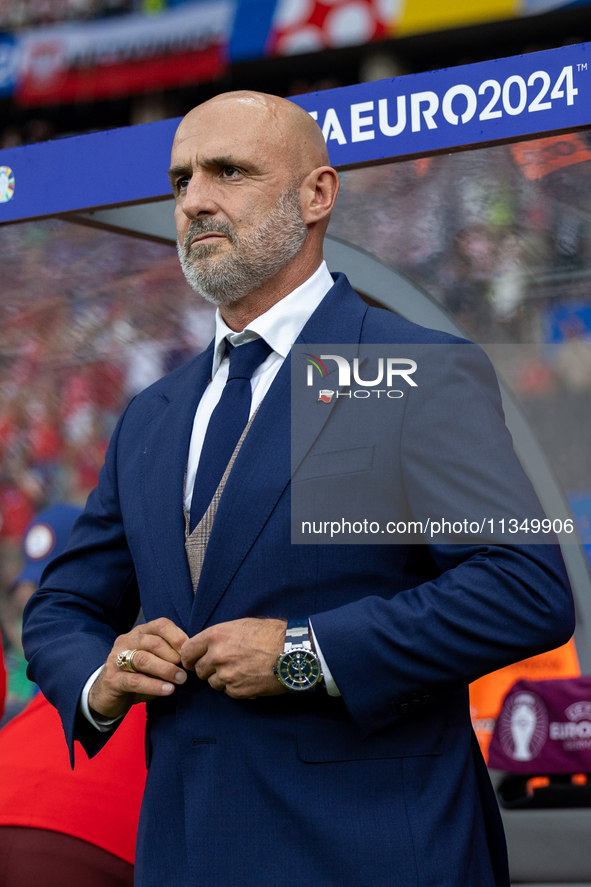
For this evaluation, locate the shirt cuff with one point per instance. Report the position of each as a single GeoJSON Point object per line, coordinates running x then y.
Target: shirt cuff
{"type": "Point", "coordinates": [103, 725]}
{"type": "Point", "coordinates": [329, 681]}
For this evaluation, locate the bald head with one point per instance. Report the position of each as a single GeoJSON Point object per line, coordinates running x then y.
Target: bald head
{"type": "Point", "coordinates": [285, 128]}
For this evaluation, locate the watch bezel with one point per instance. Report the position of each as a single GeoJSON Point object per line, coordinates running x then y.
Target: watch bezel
{"type": "Point", "coordinates": [288, 654]}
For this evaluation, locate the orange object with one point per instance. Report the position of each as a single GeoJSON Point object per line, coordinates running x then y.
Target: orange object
{"type": "Point", "coordinates": [422, 166]}
{"type": "Point", "coordinates": [536, 782]}
{"type": "Point", "coordinates": [579, 779]}
{"type": "Point", "coordinates": [541, 157]}
{"type": "Point", "coordinates": [487, 694]}
{"type": "Point", "coordinates": [98, 802]}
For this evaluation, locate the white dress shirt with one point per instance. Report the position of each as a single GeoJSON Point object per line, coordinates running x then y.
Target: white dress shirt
{"type": "Point", "coordinates": [280, 326]}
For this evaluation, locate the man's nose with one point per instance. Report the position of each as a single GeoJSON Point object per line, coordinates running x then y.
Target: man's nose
{"type": "Point", "coordinates": [199, 199]}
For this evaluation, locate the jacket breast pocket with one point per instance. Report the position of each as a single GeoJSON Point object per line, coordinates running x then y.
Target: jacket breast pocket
{"type": "Point", "coordinates": [327, 733]}
{"type": "Point", "coordinates": [348, 461]}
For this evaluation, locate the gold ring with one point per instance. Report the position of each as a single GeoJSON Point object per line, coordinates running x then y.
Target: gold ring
{"type": "Point", "coordinates": [125, 660]}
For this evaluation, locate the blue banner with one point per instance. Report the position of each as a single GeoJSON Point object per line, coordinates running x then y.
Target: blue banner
{"type": "Point", "coordinates": [419, 114]}
{"type": "Point", "coordinates": [493, 101]}
{"type": "Point", "coordinates": [101, 169]}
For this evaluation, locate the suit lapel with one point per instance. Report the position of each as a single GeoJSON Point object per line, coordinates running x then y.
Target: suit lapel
{"type": "Point", "coordinates": [338, 321]}
{"type": "Point", "coordinates": [263, 463]}
{"type": "Point", "coordinates": [166, 445]}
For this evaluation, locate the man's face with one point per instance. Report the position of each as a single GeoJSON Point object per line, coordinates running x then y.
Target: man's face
{"type": "Point", "coordinates": [238, 212]}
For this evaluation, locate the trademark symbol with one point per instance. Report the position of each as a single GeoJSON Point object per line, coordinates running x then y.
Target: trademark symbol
{"type": "Point", "coordinates": [582, 66]}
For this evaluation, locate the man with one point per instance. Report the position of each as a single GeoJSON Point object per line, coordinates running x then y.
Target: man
{"type": "Point", "coordinates": [376, 779]}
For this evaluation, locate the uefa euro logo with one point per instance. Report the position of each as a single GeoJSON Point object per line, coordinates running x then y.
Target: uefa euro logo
{"type": "Point", "coordinates": [6, 184]}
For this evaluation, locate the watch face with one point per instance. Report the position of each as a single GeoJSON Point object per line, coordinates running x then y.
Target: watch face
{"type": "Point", "coordinates": [298, 669]}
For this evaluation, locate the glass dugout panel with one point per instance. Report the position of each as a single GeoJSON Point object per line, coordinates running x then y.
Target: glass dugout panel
{"type": "Point", "coordinates": [500, 238]}
{"type": "Point", "coordinates": [88, 318]}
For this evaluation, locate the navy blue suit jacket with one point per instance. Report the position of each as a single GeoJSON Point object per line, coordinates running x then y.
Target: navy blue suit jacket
{"type": "Point", "coordinates": [384, 786]}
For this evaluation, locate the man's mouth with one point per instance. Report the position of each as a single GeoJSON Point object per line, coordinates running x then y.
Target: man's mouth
{"type": "Point", "coordinates": [206, 236]}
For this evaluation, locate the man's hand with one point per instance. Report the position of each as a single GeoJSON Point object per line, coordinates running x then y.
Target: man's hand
{"type": "Point", "coordinates": [159, 645]}
{"type": "Point", "coordinates": [238, 657]}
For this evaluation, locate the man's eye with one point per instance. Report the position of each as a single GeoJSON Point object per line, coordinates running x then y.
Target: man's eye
{"type": "Point", "coordinates": [230, 172]}
{"type": "Point", "coordinates": [182, 184]}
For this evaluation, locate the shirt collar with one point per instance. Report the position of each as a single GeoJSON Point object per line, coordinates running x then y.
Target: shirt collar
{"type": "Point", "coordinates": [282, 323]}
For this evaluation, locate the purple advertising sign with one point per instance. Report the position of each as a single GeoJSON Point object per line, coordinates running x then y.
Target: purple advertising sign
{"type": "Point", "coordinates": [544, 727]}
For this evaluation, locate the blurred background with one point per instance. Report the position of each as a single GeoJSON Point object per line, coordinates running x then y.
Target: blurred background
{"type": "Point", "coordinates": [498, 237]}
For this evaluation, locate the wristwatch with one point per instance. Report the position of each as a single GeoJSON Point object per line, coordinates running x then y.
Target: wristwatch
{"type": "Point", "coordinates": [298, 667]}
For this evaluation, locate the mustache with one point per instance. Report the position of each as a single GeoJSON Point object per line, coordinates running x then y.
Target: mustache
{"type": "Point", "coordinates": [205, 226]}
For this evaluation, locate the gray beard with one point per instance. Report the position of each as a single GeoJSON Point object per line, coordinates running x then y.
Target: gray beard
{"type": "Point", "coordinates": [255, 258]}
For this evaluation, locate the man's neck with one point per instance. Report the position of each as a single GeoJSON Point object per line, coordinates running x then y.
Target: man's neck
{"type": "Point", "coordinates": [239, 314]}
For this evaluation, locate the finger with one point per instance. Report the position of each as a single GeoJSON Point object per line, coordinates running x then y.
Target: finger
{"type": "Point", "coordinates": [114, 691]}
{"type": "Point", "coordinates": [166, 630]}
{"type": "Point", "coordinates": [149, 664]}
{"type": "Point", "coordinates": [143, 685]}
{"type": "Point", "coordinates": [139, 639]}
{"type": "Point", "coordinates": [194, 648]}
{"type": "Point", "coordinates": [204, 668]}
{"type": "Point", "coordinates": [217, 683]}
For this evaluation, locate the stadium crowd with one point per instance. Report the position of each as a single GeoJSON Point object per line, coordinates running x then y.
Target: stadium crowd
{"type": "Point", "coordinates": [88, 319]}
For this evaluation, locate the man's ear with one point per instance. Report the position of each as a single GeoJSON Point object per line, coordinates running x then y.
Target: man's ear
{"type": "Point", "coordinates": [319, 191]}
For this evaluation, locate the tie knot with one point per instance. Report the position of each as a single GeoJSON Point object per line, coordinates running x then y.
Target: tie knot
{"type": "Point", "coordinates": [244, 359]}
